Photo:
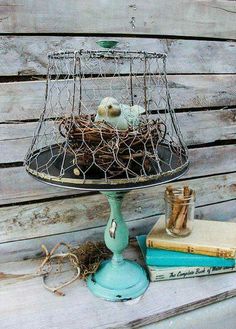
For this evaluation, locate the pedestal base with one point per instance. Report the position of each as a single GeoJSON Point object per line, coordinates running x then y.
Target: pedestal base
{"type": "Point", "coordinates": [118, 282]}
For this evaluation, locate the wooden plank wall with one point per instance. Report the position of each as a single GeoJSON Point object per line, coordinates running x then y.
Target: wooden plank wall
{"type": "Point", "coordinates": [199, 38]}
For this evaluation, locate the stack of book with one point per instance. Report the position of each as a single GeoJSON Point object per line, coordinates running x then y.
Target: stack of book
{"type": "Point", "coordinates": [209, 249]}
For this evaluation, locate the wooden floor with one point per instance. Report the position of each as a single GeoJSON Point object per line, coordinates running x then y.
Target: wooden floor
{"type": "Point", "coordinates": [25, 304]}
{"type": "Point", "coordinates": [215, 316]}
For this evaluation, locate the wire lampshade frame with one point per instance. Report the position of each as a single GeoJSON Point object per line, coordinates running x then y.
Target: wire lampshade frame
{"type": "Point", "coordinates": [71, 148]}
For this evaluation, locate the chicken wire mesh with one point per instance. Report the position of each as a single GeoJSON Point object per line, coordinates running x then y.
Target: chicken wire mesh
{"type": "Point", "coordinates": [107, 122]}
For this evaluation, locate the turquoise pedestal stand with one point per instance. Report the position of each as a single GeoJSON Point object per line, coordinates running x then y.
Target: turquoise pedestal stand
{"type": "Point", "coordinates": [117, 279]}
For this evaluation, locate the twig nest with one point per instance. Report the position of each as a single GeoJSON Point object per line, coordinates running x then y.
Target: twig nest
{"type": "Point", "coordinates": [100, 147]}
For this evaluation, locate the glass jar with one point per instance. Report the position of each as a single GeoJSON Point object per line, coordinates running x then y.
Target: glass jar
{"type": "Point", "coordinates": [179, 207]}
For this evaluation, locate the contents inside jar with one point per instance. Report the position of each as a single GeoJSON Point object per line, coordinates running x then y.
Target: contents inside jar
{"type": "Point", "coordinates": [179, 210]}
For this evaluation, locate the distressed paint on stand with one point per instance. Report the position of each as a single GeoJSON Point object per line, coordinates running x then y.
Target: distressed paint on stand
{"type": "Point", "coordinates": [117, 279]}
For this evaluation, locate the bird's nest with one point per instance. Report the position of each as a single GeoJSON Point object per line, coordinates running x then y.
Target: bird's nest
{"type": "Point", "coordinates": [116, 153]}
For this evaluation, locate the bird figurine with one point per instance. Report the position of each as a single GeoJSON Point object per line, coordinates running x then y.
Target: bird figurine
{"type": "Point", "coordinates": [120, 116]}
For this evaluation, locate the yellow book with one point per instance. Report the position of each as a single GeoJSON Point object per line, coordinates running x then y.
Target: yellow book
{"type": "Point", "coordinates": [208, 237]}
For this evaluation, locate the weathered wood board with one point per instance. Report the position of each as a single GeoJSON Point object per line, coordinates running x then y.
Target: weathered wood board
{"type": "Point", "coordinates": [214, 18]}
{"type": "Point", "coordinates": [59, 216]}
{"type": "Point", "coordinates": [160, 301]}
{"type": "Point", "coordinates": [201, 74]}
{"type": "Point", "coordinates": [17, 186]}
{"type": "Point", "coordinates": [27, 55]}
{"type": "Point", "coordinates": [25, 100]}
{"type": "Point", "coordinates": [223, 211]}
{"type": "Point", "coordinates": [31, 248]}
{"type": "Point", "coordinates": [212, 316]}
{"type": "Point", "coordinates": [197, 128]}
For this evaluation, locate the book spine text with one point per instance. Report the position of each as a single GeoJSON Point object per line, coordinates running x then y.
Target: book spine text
{"type": "Point", "coordinates": [157, 274]}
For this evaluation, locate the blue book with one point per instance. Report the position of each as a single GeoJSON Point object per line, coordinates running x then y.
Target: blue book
{"type": "Point", "coordinates": [160, 257]}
